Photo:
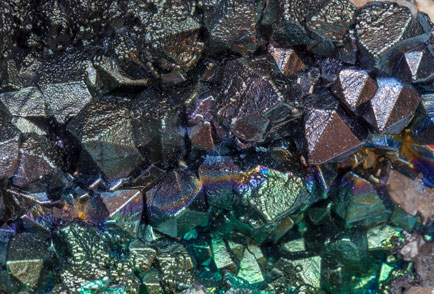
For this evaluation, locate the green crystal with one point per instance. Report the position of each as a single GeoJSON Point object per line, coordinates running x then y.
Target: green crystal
{"type": "Point", "coordinates": [250, 269]}
{"type": "Point", "coordinates": [385, 271]}
{"type": "Point", "coordinates": [151, 282]}
{"type": "Point", "coordinates": [201, 251]}
{"type": "Point", "coordinates": [237, 249]}
{"type": "Point", "coordinates": [379, 237]}
{"type": "Point", "coordinates": [239, 285]}
{"type": "Point", "coordinates": [320, 215]}
{"type": "Point", "coordinates": [349, 251]}
{"type": "Point", "coordinates": [221, 255]}
{"type": "Point", "coordinates": [357, 202]}
{"type": "Point", "coordinates": [102, 287]}
{"type": "Point", "coordinates": [295, 245]}
{"type": "Point", "coordinates": [309, 270]}
{"type": "Point", "coordinates": [266, 200]}
{"type": "Point", "coordinates": [402, 219]}
{"type": "Point", "coordinates": [339, 280]}
{"type": "Point", "coordinates": [390, 272]}
{"type": "Point", "coordinates": [275, 198]}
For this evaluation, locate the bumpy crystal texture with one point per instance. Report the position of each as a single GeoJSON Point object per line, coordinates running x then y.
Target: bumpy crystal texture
{"type": "Point", "coordinates": [216, 146]}
{"type": "Point", "coordinates": [106, 133]}
{"type": "Point", "coordinates": [329, 131]}
{"type": "Point", "coordinates": [392, 106]}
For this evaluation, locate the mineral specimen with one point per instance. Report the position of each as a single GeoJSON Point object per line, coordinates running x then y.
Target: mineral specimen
{"type": "Point", "coordinates": [177, 204]}
{"type": "Point", "coordinates": [216, 146]}
{"type": "Point", "coordinates": [176, 269]}
{"type": "Point", "coordinates": [330, 133]}
{"type": "Point", "coordinates": [156, 127]}
{"type": "Point", "coordinates": [332, 19]}
{"type": "Point", "coordinates": [392, 106]}
{"type": "Point", "coordinates": [10, 139]}
{"type": "Point", "coordinates": [357, 202]}
{"type": "Point", "coordinates": [26, 255]}
{"type": "Point", "coordinates": [39, 162]}
{"type": "Point", "coordinates": [287, 60]}
{"type": "Point", "coordinates": [355, 87]}
{"type": "Point", "coordinates": [384, 29]}
{"type": "Point", "coordinates": [106, 132]}
{"type": "Point", "coordinates": [411, 194]}
{"type": "Point", "coordinates": [233, 25]}
{"type": "Point", "coordinates": [416, 66]}
{"type": "Point", "coordinates": [251, 103]}
{"type": "Point", "coordinates": [27, 102]}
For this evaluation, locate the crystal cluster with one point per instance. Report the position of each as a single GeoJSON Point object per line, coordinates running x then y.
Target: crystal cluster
{"type": "Point", "coordinates": [216, 146]}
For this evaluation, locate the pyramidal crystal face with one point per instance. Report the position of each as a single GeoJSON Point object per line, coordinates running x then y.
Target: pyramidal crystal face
{"type": "Point", "coordinates": [221, 146]}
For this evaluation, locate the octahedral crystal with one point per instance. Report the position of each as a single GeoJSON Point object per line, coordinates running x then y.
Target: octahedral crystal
{"type": "Point", "coordinates": [201, 136]}
{"type": "Point", "coordinates": [177, 204]}
{"type": "Point", "coordinates": [332, 19]}
{"type": "Point", "coordinates": [39, 159]}
{"type": "Point", "coordinates": [125, 208]}
{"type": "Point", "coordinates": [416, 66]}
{"type": "Point", "coordinates": [357, 202]}
{"type": "Point", "coordinates": [233, 25]}
{"type": "Point", "coordinates": [26, 256]}
{"type": "Point", "coordinates": [266, 198]}
{"type": "Point", "coordinates": [216, 146]}
{"type": "Point", "coordinates": [27, 102]}
{"type": "Point", "coordinates": [383, 29]}
{"type": "Point", "coordinates": [63, 83]}
{"type": "Point", "coordinates": [330, 133]}
{"type": "Point", "coordinates": [105, 130]}
{"type": "Point", "coordinates": [392, 106]}
{"type": "Point", "coordinates": [355, 87]}
{"type": "Point", "coordinates": [251, 100]}
{"type": "Point", "coordinates": [286, 59]}
{"type": "Point", "coordinates": [156, 127]}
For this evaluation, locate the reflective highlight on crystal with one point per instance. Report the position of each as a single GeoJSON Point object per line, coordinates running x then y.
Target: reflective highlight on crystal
{"type": "Point", "coordinates": [216, 146]}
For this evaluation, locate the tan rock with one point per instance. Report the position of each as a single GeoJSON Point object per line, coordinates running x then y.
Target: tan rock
{"type": "Point", "coordinates": [411, 195]}
{"type": "Point", "coordinates": [420, 290]}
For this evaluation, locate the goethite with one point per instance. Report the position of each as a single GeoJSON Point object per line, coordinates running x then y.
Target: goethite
{"type": "Point", "coordinates": [216, 146]}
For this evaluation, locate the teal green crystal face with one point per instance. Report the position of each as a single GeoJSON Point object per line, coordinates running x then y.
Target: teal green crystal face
{"type": "Point", "coordinates": [358, 203]}
{"type": "Point", "coordinates": [274, 195]}
{"type": "Point", "coordinates": [100, 286]}
{"type": "Point", "coordinates": [295, 245]}
{"type": "Point", "coordinates": [265, 199]}
{"type": "Point", "coordinates": [379, 238]}
{"type": "Point", "coordinates": [250, 269]}
{"type": "Point", "coordinates": [309, 270]}
{"type": "Point", "coordinates": [222, 256]}
{"type": "Point", "coordinates": [216, 147]}
{"type": "Point", "coordinates": [402, 219]}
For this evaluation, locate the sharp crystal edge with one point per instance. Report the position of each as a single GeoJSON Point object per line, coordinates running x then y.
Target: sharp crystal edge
{"type": "Point", "coordinates": [216, 146]}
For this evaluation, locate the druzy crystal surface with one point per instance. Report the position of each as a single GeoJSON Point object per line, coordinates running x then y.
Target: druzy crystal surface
{"type": "Point", "coordinates": [216, 146]}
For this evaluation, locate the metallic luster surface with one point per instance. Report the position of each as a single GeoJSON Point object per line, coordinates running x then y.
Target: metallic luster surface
{"type": "Point", "coordinates": [216, 147]}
